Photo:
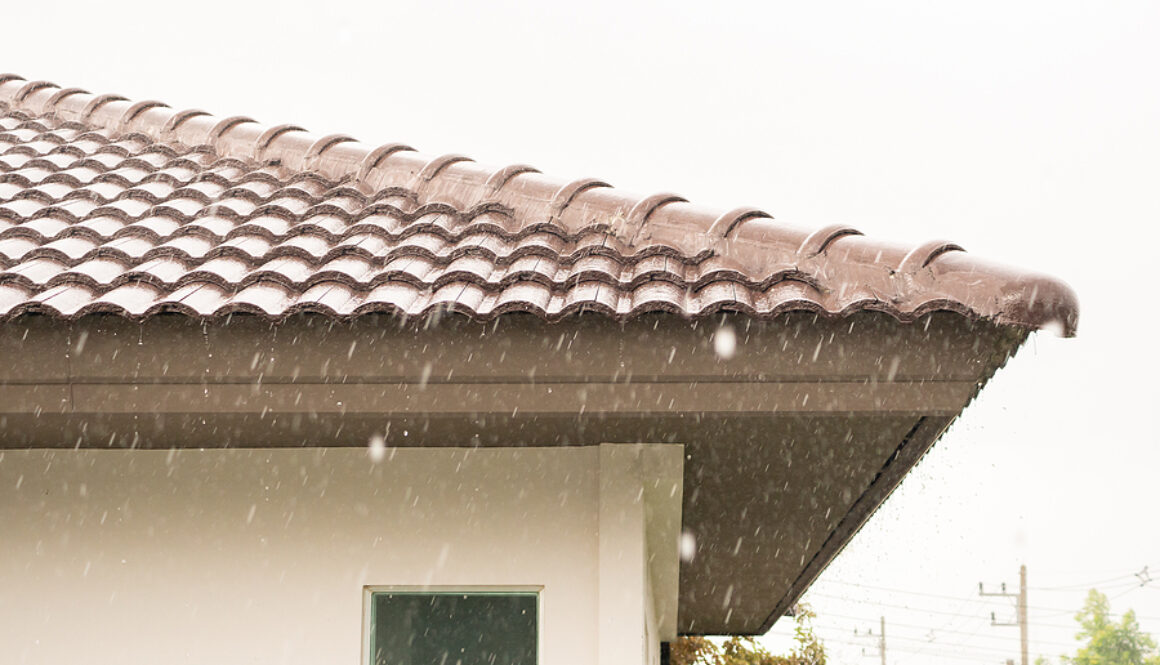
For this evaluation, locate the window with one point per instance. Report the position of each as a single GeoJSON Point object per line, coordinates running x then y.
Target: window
{"type": "Point", "coordinates": [452, 628]}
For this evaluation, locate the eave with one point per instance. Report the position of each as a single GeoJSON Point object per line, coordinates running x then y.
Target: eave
{"type": "Point", "coordinates": [792, 443]}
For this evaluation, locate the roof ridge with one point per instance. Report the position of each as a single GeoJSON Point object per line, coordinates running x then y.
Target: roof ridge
{"type": "Point", "coordinates": [744, 239]}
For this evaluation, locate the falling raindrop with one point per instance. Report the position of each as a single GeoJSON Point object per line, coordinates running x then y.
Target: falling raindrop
{"type": "Point", "coordinates": [688, 545]}
{"type": "Point", "coordinates": [377, 448]}
{"type": "Point", "coordinates": [892, 371]}
{"type": "Point", "coordinates": [725, 342]}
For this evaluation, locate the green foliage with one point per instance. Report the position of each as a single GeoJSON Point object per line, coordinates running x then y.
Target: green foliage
{"type": "Point", "coordinates": [746, 650]}
{"type": "Point", "coordinates": [1109, 642]}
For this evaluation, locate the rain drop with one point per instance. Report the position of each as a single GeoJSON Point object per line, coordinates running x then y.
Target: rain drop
{"type": "Point", "coordinates": [377, 448]}
{"type": "Point", "coordinates": [725, 342]}
{"type": "Point", "coordinates": [688, 545]}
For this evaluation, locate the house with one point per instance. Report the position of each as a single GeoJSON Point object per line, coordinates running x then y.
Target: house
{"type": "Point", "coordinates": [268, 396]}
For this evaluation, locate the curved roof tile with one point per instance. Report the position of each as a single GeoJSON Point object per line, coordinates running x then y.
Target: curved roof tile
{"type": "Point", "coordinates": [276, 220]}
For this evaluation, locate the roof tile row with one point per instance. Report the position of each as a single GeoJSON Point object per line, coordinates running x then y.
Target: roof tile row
{"type": "Point", "coordinates": [130, 208]}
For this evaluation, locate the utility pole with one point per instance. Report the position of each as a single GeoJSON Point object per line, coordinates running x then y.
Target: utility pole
{"type": "Point", "coordinates": [1023, 612]}
{"type": "Point", "coordinates": [1020, 610]}
{"type": "Point", "coordinates": [882, 640]}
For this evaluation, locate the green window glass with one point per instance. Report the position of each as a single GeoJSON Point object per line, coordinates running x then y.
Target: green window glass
{"type": "Point", "coordinates": [453, 628]}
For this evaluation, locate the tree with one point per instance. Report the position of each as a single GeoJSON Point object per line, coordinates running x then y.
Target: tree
{"type": "Point", "coordinates": [1110, 642]}
{"type": "Point", "coordinates": [746, 651]}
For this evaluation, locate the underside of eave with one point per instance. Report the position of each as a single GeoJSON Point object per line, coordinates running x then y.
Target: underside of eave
{"type": "Point", "coordinates": [919, 441]}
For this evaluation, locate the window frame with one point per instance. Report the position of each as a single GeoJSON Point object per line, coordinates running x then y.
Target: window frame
{"type": "Point", "coordinates": [370, 590]}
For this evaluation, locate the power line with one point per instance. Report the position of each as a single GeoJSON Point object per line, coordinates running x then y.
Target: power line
{"type": "Point", "coordinates": [893, 590]}
{"type": "Point", "coordinates": [1079, 588]}
{"type": "Point", "coordinates": [911, 608]}
{"type": "Point", "coordinates": [1139, 578]}
{"type": "Point", "coordinates": [892, 623]}
{"type": "Point", "coordinates": [1039, 608]}
{"type": "Point", "coordinates": [977, 647]}
{"type": "Point", "coordinates": [967, 634]}
{"type": "Point", "coordinates": [813, 593]}
{"type": "Point", "coordinates": [960, 655]}
{"type": "Point", "coordinates": [1133, 587]}
{"type": "Point", "coordinates": [966, 648]}
{"type": "Point", "coordinates": [948, 622]}
{"type": "Point", "coordinates": [925, 644]}
{"type": "Point", "coordinates": [934, 647]}
{"type": "Point", "coordinates": [959, 639]}
{"type": "Point", "coordinates": [1088, 585]}
{"type": "Point", "coordinates": [945, 597]}
{"type": "Point", "coordinates": [957, 645]}
{"type": "Point", "coordinates": [835, 626]}
{"type": "Point", "coordinates": [925, 610]}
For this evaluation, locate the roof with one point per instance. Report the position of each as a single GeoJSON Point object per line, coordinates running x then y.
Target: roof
{"type": "Point", "coordinates": [107, 205]}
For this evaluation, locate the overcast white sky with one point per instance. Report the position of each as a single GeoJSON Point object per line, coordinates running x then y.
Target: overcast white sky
{"type": "Point", "coordinates": [1027, 132]}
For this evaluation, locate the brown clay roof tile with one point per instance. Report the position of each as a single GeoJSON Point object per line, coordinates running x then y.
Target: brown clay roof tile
{"type": "Point", "coordinates": [134, 208]}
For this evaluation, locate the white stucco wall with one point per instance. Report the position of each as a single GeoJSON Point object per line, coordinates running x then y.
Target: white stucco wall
{"type": "Point", "coordinates": [256, 556]}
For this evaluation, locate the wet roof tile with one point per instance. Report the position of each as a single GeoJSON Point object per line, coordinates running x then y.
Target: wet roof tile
{"type": "Point", "coordinates": [134, 213]}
